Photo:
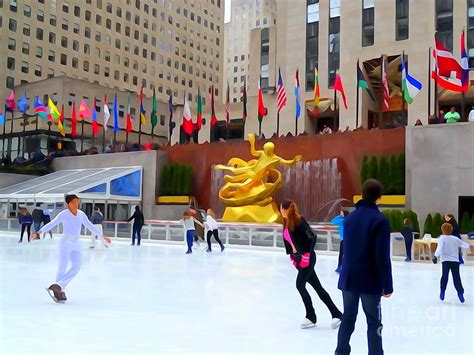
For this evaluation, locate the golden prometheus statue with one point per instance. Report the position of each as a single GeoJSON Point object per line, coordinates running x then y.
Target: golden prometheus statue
{"type": "Point", "coordinates": [248, 193]}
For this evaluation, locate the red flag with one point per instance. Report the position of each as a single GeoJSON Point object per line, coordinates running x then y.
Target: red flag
{"type": "Point", "coordinates": [262, 111]}
{"type": "Point", "coordinates": [10, 102]}
{"type": "Point", "coordinates": [129, 117]}
{"type": "Point", "coordinates": [187, 123]}
{"type": "Point", "coordinates": [448, 73]}
{"type": "Point", "coordinates": [73, 121]}
{"type": "Point", "coordinates": [149, 145]}
{"type": "Point", "coordinates": [95, 125]}
{"type": "Point", "coordinates": [338, 87]}
{"type": "Point", "coordinates": [385, 90]}
{"type": "Point", "coordinates": [213, 113]}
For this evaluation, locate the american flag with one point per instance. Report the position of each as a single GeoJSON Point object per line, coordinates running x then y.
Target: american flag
{"type": "Point", "coordinates": [281, 94]}
{"type": "Point", "coordinates": [386, 93]}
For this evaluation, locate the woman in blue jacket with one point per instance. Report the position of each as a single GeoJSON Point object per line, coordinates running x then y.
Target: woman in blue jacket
{"type": "Point", "coordinates": [339, 221]}
{"type": "Point", "coordinates": [25, 220]}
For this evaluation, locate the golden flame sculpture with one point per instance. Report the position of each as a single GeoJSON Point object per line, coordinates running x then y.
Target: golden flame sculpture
{"type": "Point", "coordinates": [248, 193]}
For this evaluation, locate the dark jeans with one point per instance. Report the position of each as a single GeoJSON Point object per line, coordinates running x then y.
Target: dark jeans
{"type": "Point", "coordinates": [373, 313]}
{"type": "Point", "coordinates": [46, 220]}
{"type": "Point", "coordinates": [26, 226]}
{"type": "Point", "coordinates": [136, 232]}
{"type": "Point", "coordinates": [308, 275]}
{"type": "Point", "coordinates": [408, 244]}
{"type": "Point", "coordinates": [452, 266]}
{"type": "Point", "coordinates": [214, 233]}
{"type": "Point", "coordinates": [37, 226]}
{"type": "Point", "coordinates": [190, 237]}
{"type": "Point", "coordinates": [341, 253]}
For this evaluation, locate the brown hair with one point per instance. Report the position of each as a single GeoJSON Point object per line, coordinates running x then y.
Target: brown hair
{"type": "Point", "coordinates": [186, 214]}
{"type": "Point", "coordinates": [294, 217]}
{"type": "Point", "coordinates": [447, 229]}
{"type": "Point", "coordinates": [211, 213]}
{"type": "Point", "coordinates": [372, 190]}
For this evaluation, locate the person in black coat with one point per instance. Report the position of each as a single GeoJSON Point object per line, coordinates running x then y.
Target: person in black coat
{"type": "Point", "coordinates": [366, 273]}
{"type": "Point", "coordinates": [407, 233]}
{"type": "Point", "coordinates": [299, 240]}
{"type": "Point", "coordinates": [138, 222]}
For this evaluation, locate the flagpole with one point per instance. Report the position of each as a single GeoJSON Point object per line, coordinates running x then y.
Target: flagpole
{"type": "Point", "coordinates": [140, 130]}
{"type": "Point", "coordinates": [49, 136]}
{"type": "Point", "coordinates": [3, 138]}
{"type": "Point", "coordinates": [126, 140]}
{"type": "Point", "coordinates": [429, 82]}
{"type": "Point", "coordinates": [403, 96]}
{"type": "Point", "coordinates": [24, 124]}
{"type": "Point", "coordinates": [278, 123]}
{"type": "Point", "coordinates": [357, 97]}
{"type": "Point", "coordinates": [103, 138]}
{"type": "Point", "coordinates": [296, 126]}
{"type": "Point", "coordinates": [82, 134]}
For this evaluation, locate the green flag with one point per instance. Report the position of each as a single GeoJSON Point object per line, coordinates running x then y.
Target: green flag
{"type": "Point", "coordinates": [154, 118]}
{"type": "Point", "coordinates": [199, 111]}
{"type": "Point", "coordinates": [362, 83]}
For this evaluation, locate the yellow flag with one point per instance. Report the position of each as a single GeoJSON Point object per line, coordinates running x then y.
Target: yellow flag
{"type": "Point", "coordinates": [53, 110]}
{"type": "Point", "coordinates": [316, 88]}
{"type": "Point", "coordinates": [61, 128]}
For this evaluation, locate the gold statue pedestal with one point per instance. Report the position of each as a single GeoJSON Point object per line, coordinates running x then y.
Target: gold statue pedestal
{"type": "Point", "coordinates": [253, 214]}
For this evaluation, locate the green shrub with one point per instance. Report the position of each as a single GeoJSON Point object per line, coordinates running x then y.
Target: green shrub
{"type": "Point", "coordinates": [364, 170]}
{"type": "Point", "coordinates": [437, 222]}
{"type": "Point", "coordinates": [176, 180]}
{"type": "Point", "coordinates": [428, 226]}
{"type": "Point", "coordinates": [399, 175]}
{"type": "Point", "coordinates": [373, 168]}
{"type": "Point", "coordinates": [465, 223]}
{"type": "Point", "coordinates": [384, 171]}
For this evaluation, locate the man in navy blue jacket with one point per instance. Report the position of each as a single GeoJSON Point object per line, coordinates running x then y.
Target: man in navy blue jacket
{"type": "Point", "coordinates": [366, 272]}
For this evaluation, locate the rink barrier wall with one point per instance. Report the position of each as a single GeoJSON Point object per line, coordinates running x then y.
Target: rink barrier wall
{"type": "Point", "coordinates": [234, 235]}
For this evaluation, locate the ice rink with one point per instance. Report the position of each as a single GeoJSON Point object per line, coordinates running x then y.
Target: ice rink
{"type": "Point", "coordinates": [156, 299]}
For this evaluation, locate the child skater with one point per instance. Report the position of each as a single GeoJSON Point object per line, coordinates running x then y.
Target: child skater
{"type": "Point", "coordinates": [72, 219]}
{"type": "Point", "coordinates": [299, 241]}
{"type": "Point", "coordinates": [448, 249]}
{"type": "Point", "coordinates": [212, 230]}
{"type": "Point", "coordinates": [188, 222]}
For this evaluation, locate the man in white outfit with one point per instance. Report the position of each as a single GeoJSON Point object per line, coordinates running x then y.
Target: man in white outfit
{"type": "Point", "coordinates": [72, 220]}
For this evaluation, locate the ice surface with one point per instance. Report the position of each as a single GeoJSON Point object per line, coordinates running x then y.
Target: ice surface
{"type": "Point", "coordinates": [156, 299]}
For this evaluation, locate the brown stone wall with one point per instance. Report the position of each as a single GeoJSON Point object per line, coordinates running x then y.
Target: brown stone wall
{"type": "Point", "coordinates": [349, 147]}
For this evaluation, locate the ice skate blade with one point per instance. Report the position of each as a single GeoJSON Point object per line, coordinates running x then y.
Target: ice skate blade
{"type": "Point", "coordinates": [51, 294]}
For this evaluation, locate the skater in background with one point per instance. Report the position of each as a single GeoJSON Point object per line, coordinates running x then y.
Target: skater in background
{"type": "Point", "coordinates": [188, 224]}
{"type": "Point", "coordinates": [96, 219]}
{"type": "Point", "coordinates": [448, 250]}
{"type": "Point", "coordinates": [72, 220]}
{"type": "Point", "coordinates": [366, 273]}
{"type": "Point", "coordinates": [138, 222]}
{"type": "Point", "coordinates": [407, 233]}
{"type": "Point", "coordinates": [25, 220]}
{"type": "Point", "coordinates": [339, 220]}
{"type": "Point", "coordinates": [46, 220]}
{"type": "Point", "coordinates": [37, 215]}
{"type": "Point", "coordinates": [299, 240]}
{"type": "Point", "coordinates": [212, 230]}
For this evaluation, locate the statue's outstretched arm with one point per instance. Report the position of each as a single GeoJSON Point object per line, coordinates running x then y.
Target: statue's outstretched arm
{"type": "Point", "coordinates": [255, 153]}
{"type": "Point", "coordinates": [292, 161]}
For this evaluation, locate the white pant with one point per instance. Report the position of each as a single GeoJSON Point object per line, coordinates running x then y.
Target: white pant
{"type": "Point", "coordinates": [93, 236]}
{"type": "Point", "coordinates": [69, 250]}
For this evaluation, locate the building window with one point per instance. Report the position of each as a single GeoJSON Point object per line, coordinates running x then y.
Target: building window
{"type": "Point", "coordinates": [52, 20]}
{"type": "Point", "coordinates": [24, 67]}
{"type": "Point", "coordinates": [368, 22]}
{"type": "Point", "coordinates": [39, 52]}
{"type": "Point", "coordinates": [38, 70]}
{"type": "Point", "coordinates": [470, 32]}
{"type": "Point", "coordinates": [334, 39]}
{"type": "Point", "coordinates": [65, 8]}
{"type": "Point", "coordinates": [63, 59]}
{"type": "Point", "coordinates": [27, 11]}
{"type": "Point", "coordinates": [40, 15]}
{"type": "Point", "coordinates": [64, 42]}
{"type": "Point", "coordinates": [50, 73]}
{"type": "Point", "coordinates": [51, 56]}
{"type": "Point", "coordinates": [402, 12]}
{"type": "Point", "coordinates": [39, 34]}
{"type": "Point", "coordinates": [10, 82]}
{"type": "Point", "coordinates": [64, 25]}
{"type": "Point", "coordinates": [264, 57]}
{"type": "Point", "coordinates": [12, 25]}
{"type": "Point", "coordinates": [10, 63]}
{"type": "Point", "coordinates": [26, 30]}
{"type": "Point", "coordinates": [75, 62]}
{"type": "Point", "coordinates": [312, 41]}
{"type": "Point", "coordinates": [52, 38]}
{"type": "Point", "coordinates": [11, 44]}
{"type": "Point", "coordinates": [444, 22]}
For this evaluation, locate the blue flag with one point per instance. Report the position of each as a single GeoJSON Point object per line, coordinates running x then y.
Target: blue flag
{"type": "Point", "coordinates": [116, 124]}
{"type": "Point", "coordinates": [297, 94]}
{"type": "Point", "coordinates": [23, 104]}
